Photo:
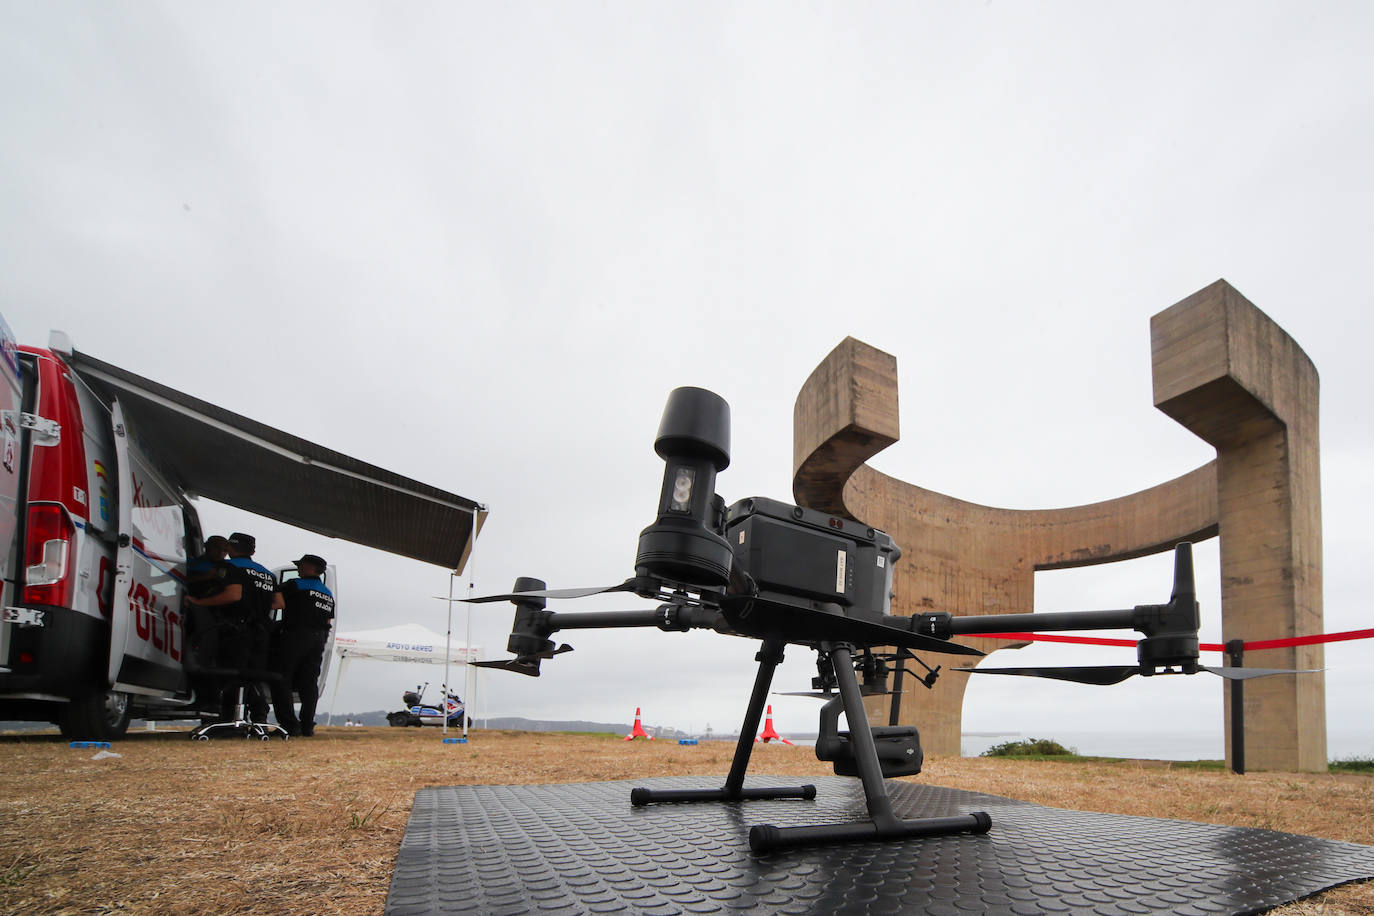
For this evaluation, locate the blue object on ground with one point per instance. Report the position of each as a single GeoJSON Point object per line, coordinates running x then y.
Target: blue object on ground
{"type": "Point", "coordinates": [455, 741]}
{"type": "Point", "coordinates": [90, 744]}
{"type": "Point", "coordinates": [686, 741]}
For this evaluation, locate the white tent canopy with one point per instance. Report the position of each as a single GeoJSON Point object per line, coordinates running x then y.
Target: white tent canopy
{"type": "Point", "coordinates": [406, 642]}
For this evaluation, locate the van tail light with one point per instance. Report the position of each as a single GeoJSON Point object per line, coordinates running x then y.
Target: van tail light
{"type": "Point", "coordinates": [48, 555]}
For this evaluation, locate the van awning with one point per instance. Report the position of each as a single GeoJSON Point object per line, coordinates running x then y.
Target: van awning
{"type": "Point", "coordinates": [243, 463]}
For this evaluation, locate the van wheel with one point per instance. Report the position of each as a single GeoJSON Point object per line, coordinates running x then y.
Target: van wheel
{"type": "Point", "coordinates": [99, 715]}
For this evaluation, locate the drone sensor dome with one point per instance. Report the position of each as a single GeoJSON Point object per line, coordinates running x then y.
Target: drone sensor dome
{"type": "Point", "coordinates": [696, 422]}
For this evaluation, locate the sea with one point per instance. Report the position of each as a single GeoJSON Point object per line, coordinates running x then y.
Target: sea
{"type": "Point", "coordinates": [1210, 745]}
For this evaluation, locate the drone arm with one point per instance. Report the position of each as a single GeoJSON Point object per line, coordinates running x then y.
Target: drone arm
{"type": "Point", "coordinates": [533, 625]}
{"type": "Point", "coordinates": [1169, 630]}
{"type": "Point", "coordinates": [590, 620]}
{"type": "Point", "coordinates": [1171, 621]}
{"type": "Point", "coordinates": [1060, 621]}
{"type": "Point", "coordinates": [1149, 619]}
{"type": "Point", "coordinates": [665, 617]}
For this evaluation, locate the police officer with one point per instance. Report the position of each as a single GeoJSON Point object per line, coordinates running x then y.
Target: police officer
{"type": "Point", "coordinates": [205, 576]}
{"type": "Point", "coordinates": [202, 567]}
{"type": "Point", "coordinates": [307, 607]}
{"type": "Point", "coordinates": [245, 611]}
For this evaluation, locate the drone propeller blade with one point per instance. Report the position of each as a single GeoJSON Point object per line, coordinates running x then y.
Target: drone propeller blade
{"type": "Point", "coordinates": [1103, 675]}
{"type": "Point", "coordinates": [847, 629]}
{"type": "Point", "coordinates": [1097, 675]}
{"type": "Point", "coordinates": [628, 586]}
{"type": "Point", "coordinates": [804, 625]}
{"type": "Point", "coordinates": [524, 664]}
{"type": "Point", "coordinates": [906, 639]}
{"type": "Point", "coordinates": [518, 665]}
{"type": "Point", "coordinates": [1238, 674]}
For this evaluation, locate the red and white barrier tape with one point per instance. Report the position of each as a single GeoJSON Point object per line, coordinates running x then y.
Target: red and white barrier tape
{"type": "Point", "coordinates": [1255, 646]}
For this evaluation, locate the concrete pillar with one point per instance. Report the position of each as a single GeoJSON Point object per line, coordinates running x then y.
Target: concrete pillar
{"type": "Point", "coordinates": [1224, 370]}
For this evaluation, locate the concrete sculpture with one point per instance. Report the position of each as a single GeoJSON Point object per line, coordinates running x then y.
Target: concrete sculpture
{"type": "Point", "coordinates": [1223, 370]}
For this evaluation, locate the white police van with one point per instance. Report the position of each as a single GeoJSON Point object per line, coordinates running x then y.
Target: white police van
{"type": "Point", "coordinates": [98, 469]}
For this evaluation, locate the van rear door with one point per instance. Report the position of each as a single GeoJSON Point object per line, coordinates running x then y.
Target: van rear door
{"type": "Point", "coordinates": [121, 618]}
{"type": "Point", "coordinates": [11, 410]}
{"type": "Point", "coordinates": [146, 635]}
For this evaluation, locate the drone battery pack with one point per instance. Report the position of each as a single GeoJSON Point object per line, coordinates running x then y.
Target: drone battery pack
{"type": "Point", "coordinates": [807, 554]}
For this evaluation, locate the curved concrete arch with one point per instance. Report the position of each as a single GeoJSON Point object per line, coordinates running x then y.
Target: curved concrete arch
{"type": "Point", "coordinates": [1221, 368]}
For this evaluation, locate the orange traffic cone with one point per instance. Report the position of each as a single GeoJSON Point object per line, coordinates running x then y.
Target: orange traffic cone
{"type": "Point", "coordinates": [770, 733]}
{"type": "Point", "coordinates": [638, 731]}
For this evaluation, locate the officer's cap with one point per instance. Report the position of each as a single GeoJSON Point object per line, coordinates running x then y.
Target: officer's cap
{"type": "Point", "coordinates": [319, 562]}
{"type": "Point", "coordinates": [243, 542]}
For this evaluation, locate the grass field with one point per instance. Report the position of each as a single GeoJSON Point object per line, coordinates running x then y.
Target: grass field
{"type": "Point", "coordinates": [313, 825]}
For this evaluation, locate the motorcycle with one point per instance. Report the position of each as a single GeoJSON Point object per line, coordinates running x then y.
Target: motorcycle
{"type": "Point", "coordinates": [419, 713]}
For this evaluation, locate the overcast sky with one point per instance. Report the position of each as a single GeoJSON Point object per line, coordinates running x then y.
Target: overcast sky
{"type": "Point", "coordinates": [477, 244]}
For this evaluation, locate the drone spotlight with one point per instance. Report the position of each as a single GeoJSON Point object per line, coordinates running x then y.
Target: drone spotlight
{"type": "Point", "coordinates": [684, 545]}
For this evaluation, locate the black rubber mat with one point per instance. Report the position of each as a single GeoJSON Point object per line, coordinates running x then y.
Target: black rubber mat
{"type": "Point", "coordinates": [583, 849]}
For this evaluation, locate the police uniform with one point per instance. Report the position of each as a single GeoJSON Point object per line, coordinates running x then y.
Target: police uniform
{"type": "Point", "coordinates": [243, 629]}
{"type": "Point", "coordinates": [202, 575]}
{"type": "Point", "coordinates": [298, 650]}
{"type": "Point", "coordinates": [254, 609]}
{"type": "Point", "coordinates": [205, 576]}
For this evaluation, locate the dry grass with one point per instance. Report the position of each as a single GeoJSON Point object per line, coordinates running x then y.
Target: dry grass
{"type": "Point", "coordinates": [313, 826]}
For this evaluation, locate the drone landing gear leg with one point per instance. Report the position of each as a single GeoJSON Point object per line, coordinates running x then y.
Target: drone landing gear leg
{"type": "Point", "coordinates": [884, 824]}
{"type": "Point", "coordinates": [733, 790]}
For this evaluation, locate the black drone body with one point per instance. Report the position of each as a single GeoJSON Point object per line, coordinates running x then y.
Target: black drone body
{"type": "Point", "coordinates": [784, 574]}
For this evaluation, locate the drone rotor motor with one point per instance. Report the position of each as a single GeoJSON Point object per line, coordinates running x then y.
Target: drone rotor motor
{"type": "Point", "coordinates": [529, 634]}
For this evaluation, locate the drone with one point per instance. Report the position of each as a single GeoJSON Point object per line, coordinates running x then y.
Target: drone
{"type": "Point", "coordinates": [789, 575]}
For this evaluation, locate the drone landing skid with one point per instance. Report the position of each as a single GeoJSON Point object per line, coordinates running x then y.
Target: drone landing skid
{"type": "Point", "coordinates": [883, 823]}
{"type": "Point", "coordinates": [768, 658]}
